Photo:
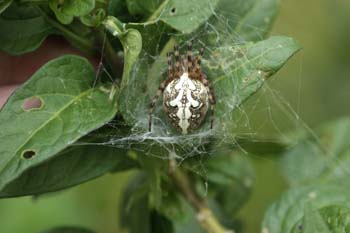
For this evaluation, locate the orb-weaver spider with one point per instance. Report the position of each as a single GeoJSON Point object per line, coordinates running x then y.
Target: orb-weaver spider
{"type": "Point", "coordinates": [186, 92]}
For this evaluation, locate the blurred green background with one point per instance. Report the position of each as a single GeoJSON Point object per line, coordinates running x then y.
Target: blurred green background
{"type": "Point", "coordinates": [315, 84]}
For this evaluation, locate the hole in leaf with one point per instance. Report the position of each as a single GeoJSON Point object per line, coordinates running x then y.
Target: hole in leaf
{"type": "Point", "coordinates": [173, 10]}
{"type": "Point", "coordinates": [300, 228]}
{"type": "Point", "coordinates": [32, 103]}
{"type": "Point", "coordinates": [28, 154]}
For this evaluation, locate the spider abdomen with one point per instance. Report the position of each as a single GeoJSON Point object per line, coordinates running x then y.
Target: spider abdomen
{"type": "Point", "coordinates": [185, 102]}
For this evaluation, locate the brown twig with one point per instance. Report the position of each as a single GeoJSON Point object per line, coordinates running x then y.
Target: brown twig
{"type": "Point", "coordinates": [204, 214]}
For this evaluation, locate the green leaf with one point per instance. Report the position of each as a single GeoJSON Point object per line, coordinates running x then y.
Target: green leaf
{"type": "Point", "coordinates": [62, 16]}
{"type": "Point", "coordinates": [155, 35]}
{"type": "Point", "coordinates": [321, 158]}
{"type": "Point", "coordinates": [290, 213]}
{"type": "Point", "coordinates": [153, 169]}
{"type": "Point", "coordinates": [172, 205]}
{"type": "Point", "coordinates": [78, 8]}
{"type": "Point", "coordinates": [230, 177]}
{"type": "Point", "coordinates": [4, 4]}
{"type": "Point", "coordinates": [134, 210]}
{"type": "Point", "coordinates": [324, 220]}
{"type": "Point", "coordinates": [181, 15]}
{"type": "Point", "coordinates": [240, 71]}
{"type": "Point", "coordinates": [132, 44]}
{"type": "Point", "coordinates": [337, 218]}
{"type": "Point", "coordinates": [160, 224]}
{"type": "Point", "coordinates": [93, 19]}
{"type": "Point", "coordinates": [77, 34]}
{"type": "Point", "coordinates": [131, 41]}
{"type": "Point", "coordinates": [188, 223]}
{"type": "Point", "coordinates": [74, 165]}
{"type": "Point", "coordinates": [256, 18]}
{"type": "Point", "coordinates": [313, 221]}
{"type": "Point", "coordinates": [138, 213]}
{"type": "Point", "coordinates": [239, 21]}
{"type": "Point", "coordinates": [261, 146]}
{"type": "Point", "coordinates": [143, 7]}
{"type": "Point", "coordinates": [54, 108]}
{"type": "Point", "coordinates": [68, 230]}
{"type": "Point", "coordinates": [66, 10]}
{"type": "Point", "coordinates": [186, 16]}
{"type": "Point", "coordinates": [118, 8]}
{"type": "Point", "coordinates": [23, 30]}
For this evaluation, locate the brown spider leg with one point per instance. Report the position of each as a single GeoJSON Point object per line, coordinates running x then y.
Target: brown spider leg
{"type": "Point", "coordinates": [177, 61]}
{"type": "Point", "coordinates": [183, 63]}
{"type": "Point", "coordinates": [160, 91]}
{"type": "Point", "coordinates": [199, 60]}
{"type": "Point", "coordinates": [189, 57]}
{"type": "Point", "coordinates": [170, 66]}
{"type": "Point", "coordinates": [197, 72]}
{"type": "Point", "coordinates": [212, 100]}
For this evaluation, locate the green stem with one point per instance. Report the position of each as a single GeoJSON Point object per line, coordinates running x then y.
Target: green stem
{"type": "Point", "coordinates": [111, 57]}
{"type": "Point", "coordinates": [205, 216]}
{"type": "Point", "coordinates": [88, 46]}
{"type": "Point", "coordinates": [84, 44]}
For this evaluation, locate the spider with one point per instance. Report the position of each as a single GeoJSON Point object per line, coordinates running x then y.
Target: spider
{"type": "Point", "coordinates": [186, 92]}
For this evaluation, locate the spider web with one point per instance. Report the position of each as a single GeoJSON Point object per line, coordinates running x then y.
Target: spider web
{"type": "Point", "coordinates": [163, 141]}
{"type": "Point", "coordinates": [265, 115]}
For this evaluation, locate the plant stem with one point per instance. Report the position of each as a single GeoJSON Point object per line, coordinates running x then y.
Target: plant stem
{"type": "Point", "coordinates": [111, 56]}
{"type": "Point", "coordinates": [82, 43]}
{"type": "Point", "coordinates": [205, 216]}
{"type": "Point", "coordinates": [90, 47]}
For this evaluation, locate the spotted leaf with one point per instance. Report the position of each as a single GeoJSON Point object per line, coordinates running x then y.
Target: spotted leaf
{"type": "Point", "coordinates": [57, 106]}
